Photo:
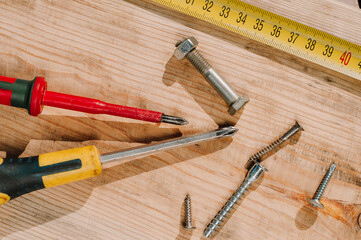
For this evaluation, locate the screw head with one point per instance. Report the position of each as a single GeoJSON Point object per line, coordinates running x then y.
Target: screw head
{"type": "Point", "coordinates": [184, 47]}
{"type": "Point", "coordinates": [315, 202]}
{"type": "Point", "coordinates": [238, 104]}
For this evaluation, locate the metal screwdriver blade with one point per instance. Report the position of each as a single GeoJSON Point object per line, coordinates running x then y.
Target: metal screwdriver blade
{"type": "Point", "coordinates": [173, 120]}
{"type": "Point", "coordinates": [126, 155]}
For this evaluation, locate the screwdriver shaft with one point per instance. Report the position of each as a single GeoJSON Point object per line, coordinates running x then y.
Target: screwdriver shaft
{"type": "Point", "coordinates": [137, 152]}
{"type": "Point", "coordinates": [33, 95]}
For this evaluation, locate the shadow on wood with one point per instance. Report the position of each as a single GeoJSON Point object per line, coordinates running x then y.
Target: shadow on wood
{"type": "Point", "coordinates": [184, 234]}
{"type": "Point", "coordinates": [306, 217]}
{"type": "Point", "coordinates": [66, 128]}
{"type": "Point", "coordinates": [202, 92]}
{"type": "Point", "coordinates": [291, 141]}
{"type": "Point", "coordinates": [218, 231]}
{"type": "Point", "coordinates": [46, 205]}
{"type": "Point", "coordinates": [326, 75]}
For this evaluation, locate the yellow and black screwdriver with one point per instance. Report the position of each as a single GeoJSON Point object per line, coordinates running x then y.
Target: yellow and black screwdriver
{"type": "Point", "coordinates": [19, 176]}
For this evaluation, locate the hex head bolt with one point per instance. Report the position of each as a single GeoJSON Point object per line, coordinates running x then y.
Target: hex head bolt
{"type": "Point", "coordinates": [315, 201]}
{"type": "Point", "coordinates": [186, 48]}
{"type": "Point", "coordinates": [188, 221]}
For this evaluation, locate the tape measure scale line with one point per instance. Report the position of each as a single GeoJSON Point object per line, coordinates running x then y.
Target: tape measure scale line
{"type": "Point", "coordinates": [276, 31]}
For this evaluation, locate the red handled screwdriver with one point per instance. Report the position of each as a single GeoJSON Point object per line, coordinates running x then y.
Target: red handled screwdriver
{"type": "Point", "coordinates": [33, 95]}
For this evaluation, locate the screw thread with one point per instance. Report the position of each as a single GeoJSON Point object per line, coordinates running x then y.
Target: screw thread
{"type": "Point", "coordinates": [295, 128]}
{"type": "Point", "coordinates": [321, 188]}
{"type": "Point", "coordinates": [227, 207]}
{"type": "Point", "coordinates": [266, 150]}
{"type": "Point", "coordinates": [188, 222]}
{"type": "Point", "coordinates": [199, 62]}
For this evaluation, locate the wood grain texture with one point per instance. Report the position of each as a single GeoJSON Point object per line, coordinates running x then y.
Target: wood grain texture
{"type": "Point", "coordinates": [353, 3]}
{"type": "Point", "coordinates": [121, 52]}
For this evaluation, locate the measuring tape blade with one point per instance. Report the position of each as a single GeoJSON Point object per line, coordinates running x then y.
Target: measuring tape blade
{"type": "Point", "coordinates": [276, 31]}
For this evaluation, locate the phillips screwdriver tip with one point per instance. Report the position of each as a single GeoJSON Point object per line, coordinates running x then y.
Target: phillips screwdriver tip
{"type": "Point", "coordinates": [173, 120]}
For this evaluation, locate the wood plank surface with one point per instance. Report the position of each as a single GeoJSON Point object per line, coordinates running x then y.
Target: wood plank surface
{"type": "Point", "coordinates": [121, 52]}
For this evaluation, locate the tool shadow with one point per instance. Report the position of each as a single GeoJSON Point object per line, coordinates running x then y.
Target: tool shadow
{"type": "Point", "coordinates": [224, 234]}
{"type": "Point", "coordinates": [75, 129]}
{"type": "Point", "coordinates": [46, 205]}
{"type": "Point", "coordinates": [328, 76]}
{"type": "Point", "coordinates": [183, 73]}
{"type": "Point", "coordinates": [184, 234]}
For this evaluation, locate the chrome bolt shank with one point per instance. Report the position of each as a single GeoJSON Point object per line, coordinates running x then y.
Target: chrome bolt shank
{"type": "Point", "coordinates": [187, 49]}
{"type": "Point", "coordinates": [252, 175]}
{"type": "Point", "coordinates": [315, 201]}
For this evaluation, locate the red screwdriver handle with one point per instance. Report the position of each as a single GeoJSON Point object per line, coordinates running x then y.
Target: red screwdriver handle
{"type": "Point", "coordinates": [32, 95]}
{"type": "Point", "coordinates": [23, 94]}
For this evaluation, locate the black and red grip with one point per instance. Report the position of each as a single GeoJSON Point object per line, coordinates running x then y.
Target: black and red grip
{"type": "Point", "coordinates": [23, 94]}
{"type": "Point", "coordinates": [33, 95]}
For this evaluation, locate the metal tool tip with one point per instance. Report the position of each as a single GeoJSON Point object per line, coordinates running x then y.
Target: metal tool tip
{"type": "Point", "coordinates": [173, 120]}
{"type": "Point", "coordinates": [228, 131]}
{"type": "Point", "coordinates": [333, 166]}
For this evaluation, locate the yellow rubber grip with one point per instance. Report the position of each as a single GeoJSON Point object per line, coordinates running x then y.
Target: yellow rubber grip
{"type": "Point", "coordinates": [90, 165]}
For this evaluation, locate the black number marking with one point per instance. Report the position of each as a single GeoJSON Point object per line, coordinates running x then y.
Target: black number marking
{"type": "Point", "coordinates": [311, 44]}
{"type": "Point", "coordinates": [225, 12]}
{"type": "Point", "coordinates": [293, 37]}
{"type": "Point", "coordinates": [208, 5]}
{"type": "Point", "coordinates": [359, 65]}
{"type": "Point", "coordinates": [190, 2]}
{"type": "Point", "coordinates": [328, 51]}
{"type": "Point", "coordinates": [276, 31]}
{"type": "Point", "coordinates": [259, 24]}
{"type": "Point", "coordinates": [241, 18]}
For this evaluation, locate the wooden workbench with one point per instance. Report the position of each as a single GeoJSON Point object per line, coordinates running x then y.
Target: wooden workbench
{"type": "Point", "coordinates": [121, 52]}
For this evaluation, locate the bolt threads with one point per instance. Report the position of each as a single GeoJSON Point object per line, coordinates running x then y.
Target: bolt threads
{"type": "Point", "coordinates": [264, 151]}
{"type": "Point", "coordinates": [321, 188]}
{"type": "Point", "coordinates": [188, 221]}
{"type": "Point", "coordinates": [199, 62]}
{"type": "Point", "coordinates": [226, 209]}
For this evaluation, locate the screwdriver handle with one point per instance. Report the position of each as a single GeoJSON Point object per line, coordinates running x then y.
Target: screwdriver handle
{"type": "Point", "coordinates": [94, 106]}
{"type": "Point", "coordinates": [23, 94]}
{"type": "Point", "coordinates": [19, 176]}
{"type": "Point", "coordinates": [33, 95]}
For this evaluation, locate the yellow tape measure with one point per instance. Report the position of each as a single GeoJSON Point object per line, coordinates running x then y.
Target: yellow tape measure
{"type": "Point", "coordinates": [276, 31]}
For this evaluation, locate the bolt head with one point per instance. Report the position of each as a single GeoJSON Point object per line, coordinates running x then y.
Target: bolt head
{"type": "Point", "coordinates": [184, 47]}
{"type": "Point", "coordinates": [316, 203]}
{"type": "Point", "coordinates": [238, 104]}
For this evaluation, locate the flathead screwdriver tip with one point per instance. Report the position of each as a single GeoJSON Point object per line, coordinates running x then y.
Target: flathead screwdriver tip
{"type": "Point", "coordinates": [173, 120]}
